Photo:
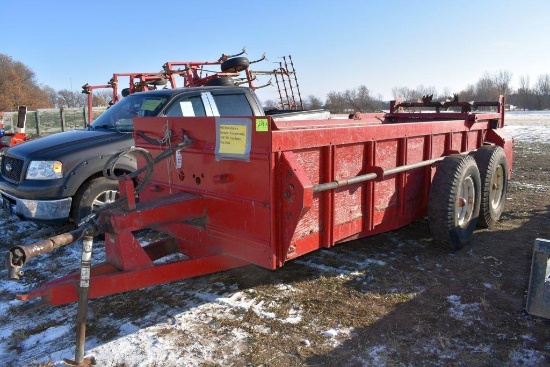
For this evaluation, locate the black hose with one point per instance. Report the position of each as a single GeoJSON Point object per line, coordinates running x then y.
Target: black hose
{"type": "Point", "coordinates": [109, 171]}
{"type": "Point", "coordinates": [109, 168]}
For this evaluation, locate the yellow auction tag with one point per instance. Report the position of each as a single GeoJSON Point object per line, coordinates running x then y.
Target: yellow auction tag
{"type": "Point", "coordinates": [232, 139]}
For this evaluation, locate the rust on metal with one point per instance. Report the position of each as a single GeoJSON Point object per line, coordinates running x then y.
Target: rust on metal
{"type": "Point", "coordinates": [17, 256]}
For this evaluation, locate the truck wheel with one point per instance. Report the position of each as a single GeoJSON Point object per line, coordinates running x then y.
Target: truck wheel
{"type": "Point", "coordinates": [235, 65]}
{"type": "Point", "coordinates": [222, 81]}
{"type": "Point", "coordinates": [454, 201]}
{"type": "Point", "coordinates": [493, 168]}
{"type": "Point", "coordinates": [93, 195]}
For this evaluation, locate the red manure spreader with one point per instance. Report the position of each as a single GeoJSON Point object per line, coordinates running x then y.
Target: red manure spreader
{"type": "Point", "coordinates": [264, 190]}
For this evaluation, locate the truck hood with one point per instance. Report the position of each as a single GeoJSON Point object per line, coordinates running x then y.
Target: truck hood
{"type": "Point", "coordinates": [55, 146]}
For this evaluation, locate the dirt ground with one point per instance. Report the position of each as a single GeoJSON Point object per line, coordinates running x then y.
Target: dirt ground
{"type": "Point", "coordinates": [429, 306]}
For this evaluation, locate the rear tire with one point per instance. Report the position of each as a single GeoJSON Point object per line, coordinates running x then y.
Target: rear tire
{"type": "Point", "coordinates": [454, 201]}
{"type": "Point", "coordinates": [92, 196]}
{"type": "Point", "coordinates": [493, 168]}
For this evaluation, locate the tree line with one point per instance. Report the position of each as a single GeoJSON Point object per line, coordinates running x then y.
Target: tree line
{"type": "Point", "coordinates": [525, 97]}
{"type": "Point", "coordinates": [18, 86]}
{"type": "Point", "coordinates": [488, 88]}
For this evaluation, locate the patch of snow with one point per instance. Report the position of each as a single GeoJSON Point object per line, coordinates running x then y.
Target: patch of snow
{"type": "Point", "coordinates": [128, 328]}
{"type": "Point", "coordinates": [169, 258]}
{"type": "Point", "coordinates": [529, 337]}
{"type": "Point", "coordinates": [377, 356]}
{"type": "Point", "coordinates": [463, 312]}
{"type": "Point", "coordinates": [331, 333]}
{"type": "Point", "coordinates": [46, 336]}
{"type": "Point", "coordinates": [527, 357]}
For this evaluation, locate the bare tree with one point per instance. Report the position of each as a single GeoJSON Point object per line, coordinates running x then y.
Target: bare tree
{"type": "Point", "coordinates": [353, 100]}
{"type": "Point", "coordinates": [270, 104]}
{"type": "Point", "coordinates": [468, 94]}
{"type": "Point", "coordinates": [426, 90]}
{"type": "Point", "coordinates": [485, 88]}
{"type": "Point", "coordinates": [360, 100]}
{"type": "Point", "coordinates": [542, 91]}
{"type": "Point", "coordinates": [525, 94]}
{"type": "Point", "coordinates": [313, 103]}
{"type": "Point", "coordinates": [67, 98]}
{"type": "Point", "coordinates": [52, 95]}
{"type": "Point", "coordinates": [502, 79]}
{"type": "Point", "coordinates": [524, 82]}
{"type": "Point", "coordinates": [102, 98]}
{"type": "Point", "coordinates": [489, 87]}
{"type": "Point", "coordinates": [335, 102]}
{"type": "Point", "coordinates": [403, 93]}
{"type": "Point", "coordinates": [416, 94]}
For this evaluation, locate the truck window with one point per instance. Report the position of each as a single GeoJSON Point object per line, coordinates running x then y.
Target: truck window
{"type": "Point", "coordinates": [233, 105]}
{"type": "Point", "coordinates": [186, 107]}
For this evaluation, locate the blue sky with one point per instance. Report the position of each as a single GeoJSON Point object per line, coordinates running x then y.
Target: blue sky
{"type": "Point", "coordinates": [335, 45]}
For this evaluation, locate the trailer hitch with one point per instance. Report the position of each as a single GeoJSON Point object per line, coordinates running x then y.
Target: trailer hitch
{"type": "Point", "coordinates": [19, 255]}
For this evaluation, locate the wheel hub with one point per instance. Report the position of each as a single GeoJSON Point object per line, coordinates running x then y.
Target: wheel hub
{"type": "Point", "coordinates": [497, 187]}
{"type": "Point", "coordinates": [465, 202]}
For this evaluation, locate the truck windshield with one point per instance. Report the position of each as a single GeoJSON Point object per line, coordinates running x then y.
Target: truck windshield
{"type": "Point", "coordinates": [119, 116]}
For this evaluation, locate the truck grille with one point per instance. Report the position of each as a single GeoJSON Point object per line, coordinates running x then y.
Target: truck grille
{"type": "Point", "coordinates": [12, 168]}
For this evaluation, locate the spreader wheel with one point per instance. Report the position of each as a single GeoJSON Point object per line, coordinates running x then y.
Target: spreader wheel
{"type": "Point", "coordinates": [235, 65]}
{"type": "Point", "coordinates": [454, 203]}
{"type": "Point", "coordinates": [493, 169]}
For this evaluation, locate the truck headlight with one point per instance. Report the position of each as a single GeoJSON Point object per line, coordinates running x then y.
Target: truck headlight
{"type": "Point", "coordinates": [44, 170]}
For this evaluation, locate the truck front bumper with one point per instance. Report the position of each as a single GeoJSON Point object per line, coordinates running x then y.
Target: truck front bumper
{"type": "Point", "coordinates": [37, 210]}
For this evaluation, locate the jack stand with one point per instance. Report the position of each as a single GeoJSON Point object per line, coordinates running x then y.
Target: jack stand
{"type": "Point", "coordinates": [83, 292]}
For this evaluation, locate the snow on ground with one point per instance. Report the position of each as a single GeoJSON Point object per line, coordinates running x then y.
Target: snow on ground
{"type": "Point", "coordinates": [165, 336]}
{"type": "Point", "coordinates": [529, 126]}
{"type": "Point", "coordinates": [173, 336]}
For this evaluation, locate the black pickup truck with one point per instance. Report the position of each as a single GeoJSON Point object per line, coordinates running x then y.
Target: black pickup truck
{"type": "Point", "coordinates": [59, 177]}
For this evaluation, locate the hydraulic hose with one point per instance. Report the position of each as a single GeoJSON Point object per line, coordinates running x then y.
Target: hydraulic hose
{"type": "Point", "coordinates": [109, 170]}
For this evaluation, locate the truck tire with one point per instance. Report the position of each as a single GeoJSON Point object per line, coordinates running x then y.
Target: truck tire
{"type": "Point", "coordinates": [493, 169]}
{"type": "Point", "coordinates": [235, 65]}
{"type": "Point", "coordinates": [454, 201]}
{"type": "Point", "coordinates": [222, 81]}
{"type": "Point", "coordinates": [93, 195]}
